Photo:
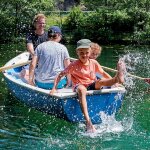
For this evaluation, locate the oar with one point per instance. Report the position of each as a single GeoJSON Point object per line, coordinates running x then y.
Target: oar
{"type": "Point", "coordinates": [129, 74]}
{"type": "Point", "coordinates": [14, 66]}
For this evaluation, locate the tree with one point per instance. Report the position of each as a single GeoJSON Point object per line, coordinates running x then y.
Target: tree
{"type": "Point", "coordinates": [16, 15]}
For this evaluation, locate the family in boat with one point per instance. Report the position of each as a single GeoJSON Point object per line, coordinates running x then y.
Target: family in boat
{"type": "Point", "coordinates": [50, 61]}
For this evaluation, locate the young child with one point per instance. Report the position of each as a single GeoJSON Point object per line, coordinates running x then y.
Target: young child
{"type": "Point", "coordinates": [95, 53]}
{"type": "Point", "coordinates": [95, 50]}
{"type": "Point", "coordinates": [83, 77]}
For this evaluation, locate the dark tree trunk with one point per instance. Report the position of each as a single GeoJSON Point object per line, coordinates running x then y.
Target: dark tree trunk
{"type": "Point", "coordinates": [77, 2]}
{"type": "Point", "coordinates": [70, 3]}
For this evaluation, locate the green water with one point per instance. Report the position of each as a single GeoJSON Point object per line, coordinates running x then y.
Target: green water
{"type": "Point", "coordinates": [24, 128]}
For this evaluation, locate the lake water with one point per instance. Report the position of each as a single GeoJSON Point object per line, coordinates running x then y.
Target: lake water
{"type": "Point", "coordinates": [24, 128]}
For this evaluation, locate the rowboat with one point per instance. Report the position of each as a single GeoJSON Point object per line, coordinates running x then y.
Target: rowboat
{"type": "Point", "coordinates": [63, 104]}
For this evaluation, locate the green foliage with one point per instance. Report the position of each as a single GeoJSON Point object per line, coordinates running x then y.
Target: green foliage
{"type": "Point", "coordinates": [94, 4]}
{"type": "Point", "coordinates": [75, 18]}
{"type": "Point", "coordinates": [117, 4]}
{"type": "Point", "coordinates": [17, 15]}
{"type": "Point", "coordinates": [74, 23]}
{"type": "Point", "coordinates": [105, 25]}
{"type": "Point", "coordinates": [120, 21]}
{"type": "Point", "coordinates": [110, 20]}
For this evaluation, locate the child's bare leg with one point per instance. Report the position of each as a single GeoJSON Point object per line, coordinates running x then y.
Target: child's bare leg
{"type": "Point", "coordinates": [119, 78]}
{"type": "Point", "coordinates": [82, 98]}
{"type": "Point", "coordinates": [25, 74]}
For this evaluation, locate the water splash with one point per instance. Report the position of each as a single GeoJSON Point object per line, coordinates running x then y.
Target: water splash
{"type": "Point", "coordinates": [131, 60]}
{"type": "Point", "coordinates": [109, 125]}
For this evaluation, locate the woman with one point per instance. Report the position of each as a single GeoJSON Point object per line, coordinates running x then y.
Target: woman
{"type": "Point", "coordinates": [38, 35]}
{"type": "Point", "coordinates": [34, 37]}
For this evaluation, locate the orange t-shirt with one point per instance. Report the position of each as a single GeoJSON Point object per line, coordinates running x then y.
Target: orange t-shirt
{"type": "Point", "coordinates": [83, 74]}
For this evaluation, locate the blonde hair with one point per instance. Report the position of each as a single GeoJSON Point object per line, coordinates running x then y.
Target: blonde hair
{"type": "Point", "coordinates": [95, 46]}
{"type": "Point", "coordinates": [37, 17]}
{"type": "Point", "coordinates": [95, 50]}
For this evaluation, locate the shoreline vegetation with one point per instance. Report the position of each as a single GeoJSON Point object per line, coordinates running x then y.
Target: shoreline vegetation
{"type": "Point", "coordinates": [106, 24]}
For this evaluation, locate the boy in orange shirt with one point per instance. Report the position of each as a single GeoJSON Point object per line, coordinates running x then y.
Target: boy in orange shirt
{"type": "Point", "coordinates": [83, 77]}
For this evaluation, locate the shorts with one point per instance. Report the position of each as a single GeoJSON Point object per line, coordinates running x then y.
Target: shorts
{"type": "Point", "coordinates": [90, 87]}
{"type": "Point", "coordinates": [62, 83]}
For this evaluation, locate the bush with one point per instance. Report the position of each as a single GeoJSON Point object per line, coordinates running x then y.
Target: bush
{"type": "Point", "coordinates": [108, 25]}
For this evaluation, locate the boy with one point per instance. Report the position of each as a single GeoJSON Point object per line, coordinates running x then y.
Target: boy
{"type": "Point", "coordinates": [83, 77]}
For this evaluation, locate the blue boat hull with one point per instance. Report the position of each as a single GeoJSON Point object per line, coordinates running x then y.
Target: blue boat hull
{"type": "Point", "coordinates": [67, 108]}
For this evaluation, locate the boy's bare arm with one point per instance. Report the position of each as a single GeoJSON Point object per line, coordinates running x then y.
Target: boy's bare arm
{"type": "Point", "coordinates": [66, 64]}
{"type": "Point", "coordinates": [57, 79]}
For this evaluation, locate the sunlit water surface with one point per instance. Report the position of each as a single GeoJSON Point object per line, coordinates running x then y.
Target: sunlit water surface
{"type": "Point", "coordinates": [24, 128]}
